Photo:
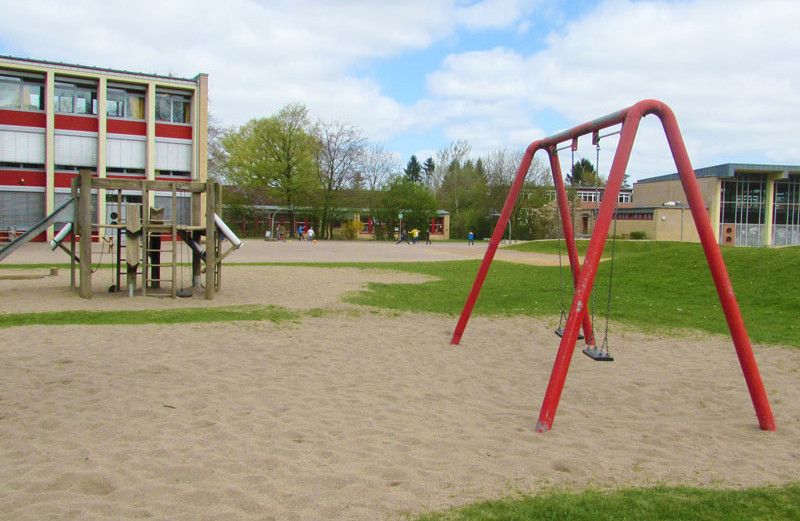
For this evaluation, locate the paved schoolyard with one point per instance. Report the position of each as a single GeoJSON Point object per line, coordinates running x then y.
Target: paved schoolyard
{"type": "Point", "coordinates": [254, 250]}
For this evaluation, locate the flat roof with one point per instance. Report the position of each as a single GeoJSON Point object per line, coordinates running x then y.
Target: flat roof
{"type": "Point", "coordinates": [728, 170]}
{"type": "Point", "coordinates": [91, 68]}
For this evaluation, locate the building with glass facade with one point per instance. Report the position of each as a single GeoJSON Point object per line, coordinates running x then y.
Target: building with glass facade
{"type": "Point", "coordinates": [57, 119]}
{"type": "Point", "coordinates": [748, 204]}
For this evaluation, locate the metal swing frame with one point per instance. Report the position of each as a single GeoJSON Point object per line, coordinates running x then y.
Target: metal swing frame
{"type": "Point", "coordinates": [629, 118]}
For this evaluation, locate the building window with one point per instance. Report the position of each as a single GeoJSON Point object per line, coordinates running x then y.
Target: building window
{"type": "Point", "coordinates": [634, 216]}
{"type": "Point", "coordinates": [74, 98]}
{"type": "Point", "coordinates": [20, 93]}
{"type": "Point", "coordinates": [624, 197]}
{"type": "Point", "coordinates": [786, 212]}
{"type": "Point", "coordinates": [742, 209]}
{"type": "Point", "coordinates": [173, 108]}
{"type": "Point", "coordinates": [125, 103]}
{"type": "Point", "coordinates": [589, 196]}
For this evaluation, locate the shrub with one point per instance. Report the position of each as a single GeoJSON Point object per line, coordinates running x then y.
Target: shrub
{"type": "Point", "coordinates": [638, 235]}
{"type": "Point", "coordinates": [350, 230]}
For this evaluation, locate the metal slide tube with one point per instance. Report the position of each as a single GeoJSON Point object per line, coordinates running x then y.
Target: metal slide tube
{"type": "Point", "coordinates": [227, 232]}
{"type": "Point", "coordinates": [569, 236]}
{"type": "Point", "coordinates": [60, 236]}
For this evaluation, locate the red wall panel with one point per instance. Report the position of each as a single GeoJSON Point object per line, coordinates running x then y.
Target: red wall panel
{"type": "Point", "coordinates": [125, 126]}
{"type": "Point", "coordinates": [173, 131]}
{"type": "Point", "coordinates": [22, 178]}
{"type": "Point", "coordinates": [22, 118]}
{"type": "Point", "coordinates": [82, 123]}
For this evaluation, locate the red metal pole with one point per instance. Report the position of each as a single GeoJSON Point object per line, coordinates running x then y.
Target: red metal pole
{"type": "Point", "coordinates": [629, 118]}
{"type": "Point", "coordinates": [597, 124]}
{"type": "Point", "coordinates": [569, 236]}
{"type": "Point", "coordinates": [497, 236]}
{"type": "Point", "coordinates": [733, 315]}
{"type": "Point", "coordinates": [587, 273]}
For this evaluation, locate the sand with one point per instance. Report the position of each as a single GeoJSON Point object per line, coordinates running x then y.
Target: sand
{"type": "Point", "coordinates": [355, 413]}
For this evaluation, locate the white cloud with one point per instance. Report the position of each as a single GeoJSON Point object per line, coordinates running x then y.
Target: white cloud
{"type": "Point", "coordinates": [493, 14]}
{"type": "Point", "coordinates": [729, 70]}
{"type": "Point", "coordinates": [259, 55]}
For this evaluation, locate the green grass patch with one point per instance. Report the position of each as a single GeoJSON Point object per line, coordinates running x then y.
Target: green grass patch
{"type": "Point", "coordinates": [656, 286]}
{"type": "Point", "coordinates": [656, 504]}
{"type": "Point", "coordinates": [274, 314]}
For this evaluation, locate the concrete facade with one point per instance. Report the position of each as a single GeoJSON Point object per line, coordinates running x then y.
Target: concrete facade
{"type": "Point", "coordinates": [56, 119]}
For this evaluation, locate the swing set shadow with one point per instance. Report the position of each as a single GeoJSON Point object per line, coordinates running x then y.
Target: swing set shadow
{"type": "Point", "coordinates": [584, 277]}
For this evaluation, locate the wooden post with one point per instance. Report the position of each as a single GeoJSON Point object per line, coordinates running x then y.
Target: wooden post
{"type": "Point", "coordinates": [85, 231]}
{"type": "Point", "coordinates": [218, 250]}
{"type": "Point", "coordinates": [145, 237]}
{"type": "Point", "coordinates": [74, 193]}
{"type": "Point", "coordinates": [211, 241]}
{"type": "Point", "coordinates": [197, 213]}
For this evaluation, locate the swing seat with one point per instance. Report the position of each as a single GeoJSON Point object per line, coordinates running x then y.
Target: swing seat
{"type": "Point", "coordinates": [597, 354]}
{"type": "Point", "coordinates": [560, 332]}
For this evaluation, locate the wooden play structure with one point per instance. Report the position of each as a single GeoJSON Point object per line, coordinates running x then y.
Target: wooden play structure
{"type": "Point", "coordinates": [584, 276]}
{"type": "Point", "coordinates": [149, 239]}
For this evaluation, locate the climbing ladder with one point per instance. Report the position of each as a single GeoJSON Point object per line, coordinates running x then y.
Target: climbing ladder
{"type": "Point", "coordinates": [154, 227]}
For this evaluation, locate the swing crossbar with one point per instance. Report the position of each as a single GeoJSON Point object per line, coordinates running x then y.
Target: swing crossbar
{"type": "Point", "coordinates": [629, 118]}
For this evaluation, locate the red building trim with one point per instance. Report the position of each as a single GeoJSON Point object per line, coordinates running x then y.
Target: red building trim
{"type": "Point", "coordinates": [22, 118]}
{"type": "Point", "coordinates": [173, 131]}
{"type": "Point", "coordinates": [63, 179]}
{"type": "Point", "coordinates": [80, 123]}
{"type": "Point", "coordinates": [126, 126]}
{"type": "Point", "coordinates": [22, 178]}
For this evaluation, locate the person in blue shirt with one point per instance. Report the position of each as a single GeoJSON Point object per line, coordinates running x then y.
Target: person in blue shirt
{"type": "Point", "coordinates": [471, 238]}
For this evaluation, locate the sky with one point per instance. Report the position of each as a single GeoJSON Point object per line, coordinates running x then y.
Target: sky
{"type": "Point", "coordinates": [418, 74]}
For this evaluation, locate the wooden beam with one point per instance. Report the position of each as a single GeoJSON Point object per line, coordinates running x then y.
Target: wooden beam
{"type": "Point", "coordinates": [161, 186]}
{"type": "Point", "coordinates": [211, 242]}
{"type": "Point", "coordinates": [85, 231]}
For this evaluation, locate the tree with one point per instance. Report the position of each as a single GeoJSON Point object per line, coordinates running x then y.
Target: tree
{"type": "Point", "coordinates": [338, 156]}
{"type": "Point", "coordinates": [428, 167]}
{"type": "Point", "coordinates": [414, 201]}
{"type": "Point", "coordinates": [413, 170]}
{"type": "Point", "coordinates": [584, 174]}
{"type": "Point", "coordinates": [377, 166]}
{"type": "Point", "coordinates": [464, 193]}
{"type": "Point", "coordinates": [456, 151]}
{"type": "Point", "coordinates": [217, 155]}
{"type": "Point", "coordinates": [275, 153]}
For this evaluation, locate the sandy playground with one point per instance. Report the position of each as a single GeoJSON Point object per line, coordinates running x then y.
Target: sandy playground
{"type": "Point", "coordinates": [354, 413]}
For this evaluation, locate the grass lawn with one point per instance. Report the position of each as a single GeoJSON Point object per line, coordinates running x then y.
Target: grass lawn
{"type": "Point", "coordinates": [160, 316]}
{"type": "Point", "coordinates": [663, 504]}
{"type": "Point", "coordinates": [657, 286]}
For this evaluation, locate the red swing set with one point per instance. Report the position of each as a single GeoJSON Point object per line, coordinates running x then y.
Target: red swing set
{"type": "Point", "coordinates": [584, 276]}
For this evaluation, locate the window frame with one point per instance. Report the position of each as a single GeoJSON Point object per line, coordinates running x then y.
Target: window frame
{"type": "Point", "coordinates": [21, 83]}
{"type": "Point", "coordinates": [74, 88]}
{"type": "Point", "coordinates": [123, 97]}
{"type": "Point", "coordinates": [172, 99]}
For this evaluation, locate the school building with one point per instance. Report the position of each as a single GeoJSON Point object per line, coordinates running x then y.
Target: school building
{"type": "Point", "coordinates": [57, 119]}
{"type": "Point", "coordinates": [748, 204]}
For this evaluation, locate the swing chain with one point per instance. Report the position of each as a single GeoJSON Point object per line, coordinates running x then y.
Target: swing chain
{"type": "Point", "coordinates": [610, 280]}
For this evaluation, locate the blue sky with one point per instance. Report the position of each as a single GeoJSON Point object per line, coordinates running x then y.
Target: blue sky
{"type": "Point", "coordinates": [416, 75]}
